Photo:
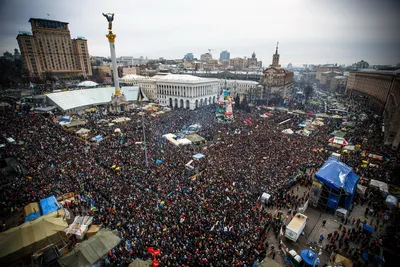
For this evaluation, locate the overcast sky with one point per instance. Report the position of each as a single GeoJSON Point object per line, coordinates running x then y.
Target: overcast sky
{"type": "Point", "coordinates": [308, 31]}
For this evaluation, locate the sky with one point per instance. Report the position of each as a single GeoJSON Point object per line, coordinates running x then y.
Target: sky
{"type": "Point", "coordinates": [308, 31]}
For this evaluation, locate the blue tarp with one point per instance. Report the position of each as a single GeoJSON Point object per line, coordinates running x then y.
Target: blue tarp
{"type": "Point", "coordinates": [336, 174]}
{"type": "Point", "coordinates": [309, 256]}
{"type": "Point", "coordinates": [368, 228]}
{"type": "Point", "coordinates": [198, 156]}
{"type": "Point", "coordinates": [48, 205]}
{"type": "Point", "coordinates": [65, 118]}
{"type": "Point", "coordinates": [32, 216]}
{"type": "Point", "coordinates": [97, 138]}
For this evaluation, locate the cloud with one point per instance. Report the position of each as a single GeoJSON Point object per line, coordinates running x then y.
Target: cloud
{"type": "Point", "coordinates": [321, 31]}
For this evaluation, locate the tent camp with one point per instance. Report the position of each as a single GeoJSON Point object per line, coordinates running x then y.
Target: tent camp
{"type": "Point", "coordinates": [336, 185]}
{"type": "Point", "coordinates": [90, 251]}
{"type": "Point", "coordinates": [29, 237]}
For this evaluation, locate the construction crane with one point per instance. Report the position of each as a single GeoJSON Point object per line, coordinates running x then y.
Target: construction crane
{"type": "Point", "coordinates": [209, 50]}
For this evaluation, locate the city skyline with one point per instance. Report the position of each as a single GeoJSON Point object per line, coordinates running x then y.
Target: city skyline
{"type": "Point", "coordinates": [308, 31]}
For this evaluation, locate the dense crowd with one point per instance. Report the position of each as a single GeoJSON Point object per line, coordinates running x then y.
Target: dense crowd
{"type": "Point", "coordinates": [209, 216]}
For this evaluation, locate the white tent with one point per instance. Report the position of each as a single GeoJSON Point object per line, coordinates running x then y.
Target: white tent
{"type": "Point", "coordinates": [265, 197]}
{"type": "Point", "coordinates": [350, 147]}
{"type": "Point", "coordinates": [88, 84]}
{"type": "Point", "coordinates": [83, 131]}
{"type": "Point", "coordinates": [169, 135]}
{"type": "Point", "coordinates": [288, 131]}
{"type": "Point", "coordinates": [185, 141]}
{"type": "Point", "coordinates": [122, 119]}
{"type": "Point", "coordinates": [339, 141]}
{"type": "Point", "coordinates": [381, 185]}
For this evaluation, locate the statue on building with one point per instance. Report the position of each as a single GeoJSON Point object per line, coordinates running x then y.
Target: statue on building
{"type": "Point", "coordinates": [110, 18]}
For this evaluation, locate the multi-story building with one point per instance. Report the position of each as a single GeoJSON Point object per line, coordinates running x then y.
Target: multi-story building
{"type": "Point", "coordinates": [238, 63]}
{"type": "Point", "coordinates": [224, 56]}
{"type": "Point", "coordinates": [205, 57]}
{"type": "Point", "coordinates": [252, 62]}
{"type": "Point", "coordinates": [325, 68]}
{"type": "Point", "coordinates": [189, 57]}
{"type": "Point", "coordinates": [128, 70]}
{"type": "Point", "coordinates": [327, 76]}
{"type": "Point", "coordinates": [240, 87]}
{"type": "Point", "coordinates": [338, 84]}
{"type": "Point", "coordinates": [383, 91]}
{"type": "Point", "coordinates": [49, 49]}
{"type": "Point", "coordinates": [277, 80]}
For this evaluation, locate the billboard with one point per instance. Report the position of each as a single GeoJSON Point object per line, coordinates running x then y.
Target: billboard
{"type": "Point", "coordinates": [224, 110]}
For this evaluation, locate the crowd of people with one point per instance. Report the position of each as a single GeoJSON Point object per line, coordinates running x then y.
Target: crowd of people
{"type": "Point", "coordinates": [209, 216]}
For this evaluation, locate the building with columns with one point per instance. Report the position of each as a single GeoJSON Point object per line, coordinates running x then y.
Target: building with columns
{"type": "Point", "coordinates": [186, 91]}
{"type": "Point", "coordinates": [276, 80]}
{"type": "Point", "coordinates": [382, 89]}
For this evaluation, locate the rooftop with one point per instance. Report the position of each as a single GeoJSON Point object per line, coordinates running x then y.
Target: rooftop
{"type": "Point", "coordinates": [47, 20]}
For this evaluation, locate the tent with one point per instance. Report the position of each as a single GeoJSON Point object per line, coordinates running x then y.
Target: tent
{"type": "Point", "coordinates": [97, 138]}
{"type": "Point", "coordinates": [265, 197]}
{"type": "Point", "coordinates": [87, 84]}
{"type": "Point", "coordinates": [195, 139]}
{"type": "Point", "coordinates": [383, 187]}
{"type": "Point", "coordinates": [92, 230]}
{"type": "Point", "coordinates": [141, 263]}
{"type": "Point", "coordinates": [338, 185]}
{"type": "Point", "coordinates": [368, 228]}
{"type": "Point", "coordinates": [391, 201]}
{"type": "Point", "coordinates": [83, 131]}
{"type": "Point", "coordinates": [29, 237]}
{"type": "Point", "coordinates": [80, 226]}
{"type": "Point", "coordinates": [288, 131]}
{"type": "Point", "coordinates": [75, 123]}
{"type": "Point", "coordinates": [90, 251]}
{"type": "Point", "coordinates": [340, 134]}
{"type": "Point", "coordinates": [198, 156]}
{"type": "Point", "coordinates": [48, 205]}
{"type": "Point", "coordinates": [184, 141]}
{"type": "Point", "coordinates": [338, 140]}
{"type": "Point", "coordinates": [169, 135]}
{"type": "Point", "coordinates": [65, 118]}
{"type": "Point", "coordinates": [350, 147]}
{"type": "Point", "coordinates": [309, 257]}
{"type": "Point", "coordinates": [122, 119]}
{"type": "Point", "coordinates": [31, 208]}
{"type": "Point", "coordinates": [343, 261]}
{"type": "Point", "coordinates": [32, 216]}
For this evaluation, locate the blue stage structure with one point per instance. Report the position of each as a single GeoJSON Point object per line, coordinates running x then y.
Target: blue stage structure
{"type": "Point", "coordinates": [334, 186]}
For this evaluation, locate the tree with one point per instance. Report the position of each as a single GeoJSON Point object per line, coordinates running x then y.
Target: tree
{"type": "Point", "coordinates": [308, 91]}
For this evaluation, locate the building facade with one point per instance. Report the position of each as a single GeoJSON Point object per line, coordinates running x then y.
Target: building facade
{"type": "Point", "coordinates": [383, 90]}
{"type": "Point", "coordinates": [189, 57]}
{"type": "Point", "coordinates": [49, 49]}
{"type": "Point", "coordinates": [327, 76]}
{"type": "Point", "coordinates": [205, 57]}
{"type": "Point", "coordinates": [186, 91]}
{"type": "Point", "coordinates": [224, 56]}
{"type": "Point", "coordinates": [253, 63]}
{"type": "Point", "coordinates": [338, 84]}
{"type": "Point", "coordinates": [276, 80]}
{"type": "Point", "coordinates": [237, 63]}
{"type": "Point", "coordinates": [325, 68]}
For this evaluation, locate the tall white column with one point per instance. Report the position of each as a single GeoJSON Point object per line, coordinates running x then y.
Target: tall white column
{"type": "Point", "coordinates": [114, 65]}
